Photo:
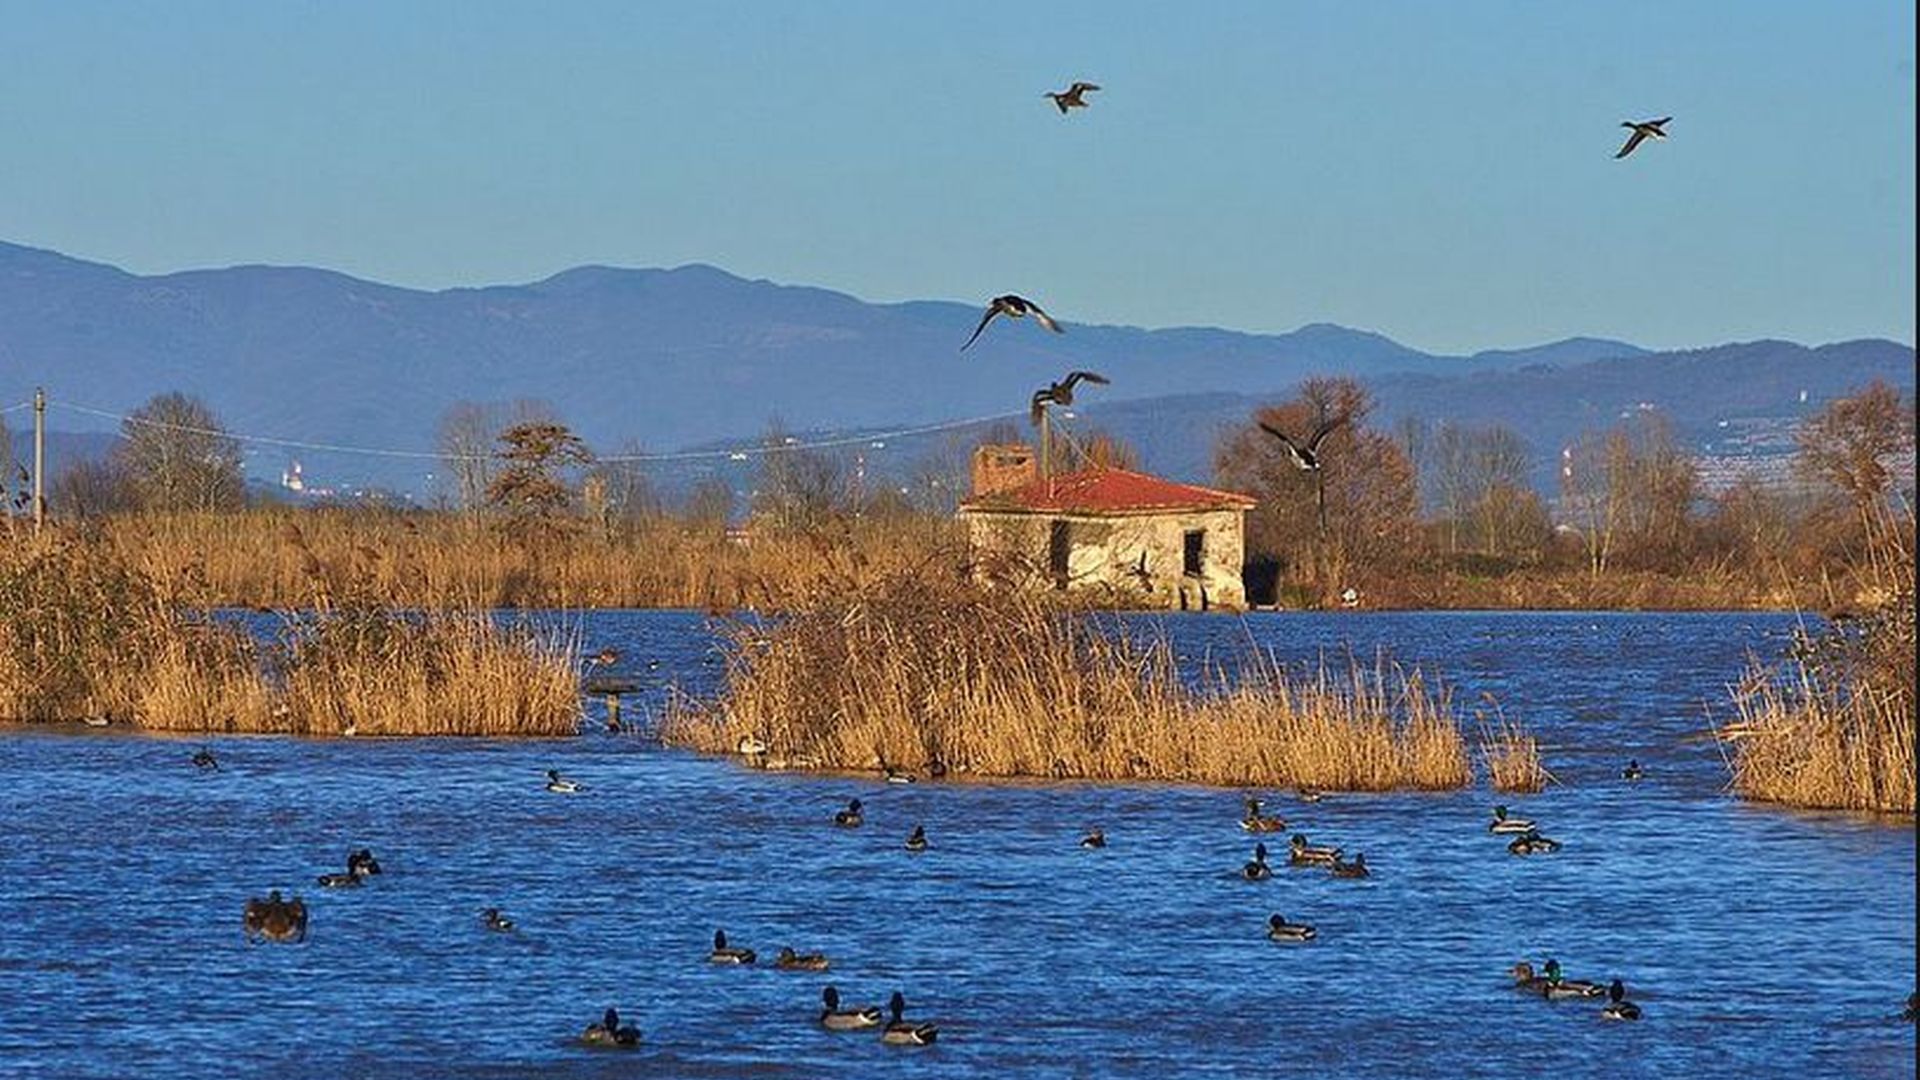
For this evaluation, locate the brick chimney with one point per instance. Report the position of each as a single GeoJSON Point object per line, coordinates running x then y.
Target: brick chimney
{"type": "Point", "coordinates": [1003, 468]}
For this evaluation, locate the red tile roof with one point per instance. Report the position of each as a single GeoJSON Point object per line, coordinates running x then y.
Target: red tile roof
{"type": "Point", "coordinates": [1106, 491]}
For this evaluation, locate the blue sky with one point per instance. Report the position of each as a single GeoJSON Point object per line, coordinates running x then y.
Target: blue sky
{"type": "Point", "coordinates": [1440, 172]}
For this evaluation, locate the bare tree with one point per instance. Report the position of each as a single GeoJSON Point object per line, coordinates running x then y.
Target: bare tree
{"type": "Point", "coordinates": [1850, 443]}
{"type": "Point", "coordinates": [467, 433]}
{"type": "Point", "coordinates": [91, 489]}
{"type": "Point", "coordinates": [798, 489]}
{"type": "Point", "coordinates": [176, 456]}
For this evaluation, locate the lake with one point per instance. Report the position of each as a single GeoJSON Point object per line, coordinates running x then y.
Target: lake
{"type": "Point", "coordinates": [1756, 940]}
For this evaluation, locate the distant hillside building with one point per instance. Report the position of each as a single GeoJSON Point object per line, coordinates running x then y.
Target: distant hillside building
{"type": "Point", "coordinates": [1155, 542]}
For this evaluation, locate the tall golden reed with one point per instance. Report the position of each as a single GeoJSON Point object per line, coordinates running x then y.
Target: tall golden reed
{"type": "Point", "coordinates": [918, 671]}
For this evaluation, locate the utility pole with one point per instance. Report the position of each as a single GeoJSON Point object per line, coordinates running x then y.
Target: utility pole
{"type": "Point", "coordinates": [39, 458]}
{"type": "Point", "coordinates": [1046, 448]}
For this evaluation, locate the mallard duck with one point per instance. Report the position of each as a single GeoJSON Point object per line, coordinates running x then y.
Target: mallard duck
{"type": "Point", "coordinates": [1257, 870]}
{"type": "Point", "coordinates": [1532, 843]}
{"type": "Point", "coordinates": [496, 921]}
{"type": "Point", "coordinates": [560, 785]}
{"type": "Point", "coordinates": [936, 768]}
{"type": "Point", "coordinates": [1618, 1007]}
{"type": "Point", "coordinates": [834, 1018]}
{"type": "Point", "coordinates": [203, 759]}
{"type": "Point", "coordinates": [748, 746]}
{"type": "Point", "coordinates": [1300, 854]}
{"type": "Point", "coordinates": [611, 1032]}
{"type": "Point", "coordinates": [788, 960]}
{"type": "Point", "coordinates": [1073, 97]}
{"type": "Point", "coordinates": [1633, 771]}
{"type": "Point", "coordinates": [274, 919]}
{"type": "Point", "coordinates": [1094, 839]}
{"type": "Point", "coordinates": [1504, 824]}
{"type": "Point", "coordinates": [1642, 130]}
{"type": "Point", "coordinates": [1525, 979]}
{"type": "Point", "coordinates": [339, 881]}
{"type": "Point", "coordinates": [1279, 929]}
{"type": "Point", "coordinates": [895, 776]}
{"type": "Point", "coordinates": [363, 863]}
{"type": "Point", "coordinates": [1254, 822]}
{"type": "Point", "coordinates": [918, 840]}
{"type": "Point", "coordinates": [850, 818]}
{"type": "Point", "coordinates": [901, 1033]}
{"type": "Point", "coordinates": [1013, 307]}
{"type": "Point", "coordinates": [1308, 795]}
{"type": "Point", "coordinates": [1558, 986]}
{"type": "Point", "coordinates": [1355, 869]}
{"type": "Point", "coordinates": [724, 954]}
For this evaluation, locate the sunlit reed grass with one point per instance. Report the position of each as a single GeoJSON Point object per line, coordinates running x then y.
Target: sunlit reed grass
{"type": "Point", "coordinates": [1511, 753]}
{"type": "Point", "coordinates": [920, 674]}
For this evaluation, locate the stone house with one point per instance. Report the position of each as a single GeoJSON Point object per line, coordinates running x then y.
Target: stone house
{"type": "Point", "coordinates": [1156, 543]}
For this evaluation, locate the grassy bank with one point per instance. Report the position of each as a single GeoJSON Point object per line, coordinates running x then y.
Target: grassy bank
{"type": "Point", "coordinates": [921, 676]}
{"type": "Point", "coordinates": [86, 635]}
{"type": "Point", "coordinates": [1834, 728]}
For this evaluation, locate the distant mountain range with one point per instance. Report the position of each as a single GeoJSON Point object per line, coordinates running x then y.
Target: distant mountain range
{"type": "Point", "coordinates": [694, 355]}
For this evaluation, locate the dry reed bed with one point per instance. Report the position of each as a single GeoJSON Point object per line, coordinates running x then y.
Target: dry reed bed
{"type": "Point", "coordinates": [1835, 728]}
{"type": "Point", "coordinates": [83, 635]}
{"type": "Point", "coordinates": [912, 672]}
{"type": "Point", "coordinates": [454, 561]}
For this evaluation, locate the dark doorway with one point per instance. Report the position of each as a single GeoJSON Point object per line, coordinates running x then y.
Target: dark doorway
{"type": "Point", "coordinates": [1059, 547]}
{"type": "Point", "coordinates": [1261, 576]}
{"type": "Point", "coordinates": [1194, 552]}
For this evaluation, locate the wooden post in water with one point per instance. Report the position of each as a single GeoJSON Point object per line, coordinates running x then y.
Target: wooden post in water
{"type": "Point", "coordinates": [613, 712]}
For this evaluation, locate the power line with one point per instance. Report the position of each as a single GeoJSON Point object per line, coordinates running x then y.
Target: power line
{"type": "Point", "coordinates": [749, 450]}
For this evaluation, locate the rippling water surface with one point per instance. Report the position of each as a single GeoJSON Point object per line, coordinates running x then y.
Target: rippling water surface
{"type": "Point", "coordinates": [1757, 941]}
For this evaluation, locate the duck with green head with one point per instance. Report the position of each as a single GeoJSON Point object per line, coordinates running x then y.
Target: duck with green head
{"type": "Point", "coordinates": [834, 1018]}
{"type": "Point", "coordinates": [851, 817]}
{"type": "Point", "coordinates": [900, 1032]}
{"type": "Point", "coordinates": [1279, 929]}
{"type": "Point", "coordinates": [917, 842]}
{"type": "Point", "coordinates": [1355, 869]}
{"type": "Point", "coordinates": [1300, 853]}
{"type": "Point", "coordinates": [727, 954]}
{"type": "Point", "coordinates": [1504, 824]}
{"type": "Point", "coordinates": [1557, 985]}
{"type": "Point", "coordinates": [1256, 822]}
{"type": "Point", "coordinates": [1618, 1007]}
{"type": "Point", "coordinates": [611, 1032]}
{"type": "Point", "coordinates": [1257, 869]}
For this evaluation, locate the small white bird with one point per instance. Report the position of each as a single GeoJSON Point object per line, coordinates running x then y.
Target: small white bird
{"type": "Point", "coordinates": [1013, 307]}
{"type": "Point", "coordinates": [1642, 131]}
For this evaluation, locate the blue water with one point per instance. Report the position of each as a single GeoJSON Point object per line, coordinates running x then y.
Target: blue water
{"type": "Point", "coordinates": [1757, 941]}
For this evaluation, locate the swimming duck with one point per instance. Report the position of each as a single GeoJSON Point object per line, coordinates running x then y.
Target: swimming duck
{"type": "Point", "coordinates": [1619, 1008]}
{"type": "Point", "coordinates": [1257, 870]}
{"type": "Point", "coordinates": [936, 768]}
{"type": "Point", "coordinates": [1504, 824]}
{"type": "Point", "coordinates": [1279, 929]}
{"type": "Point", "coordinates": [1633, 771]}
{"type": "Point", "coordinates": [1532, 843]}
{"type": "Point", "coordinates": [834, 1018]}
{"type": "Point", "coordinates": [610, 1032]}
{"type": "Point", "coordinates": [605, 658]}
{"type": "Point", "coordinates": [1558, 986]}
{"type": "Point", "coordinates": [1255, 823]}
{"type": "Point", "coordinates": [1355, 869]}
{"type": "Point", "coordinates": [274, 919]}
{"type": "Point", "coordinates": [347, 880]}
{"type": "Point", "coordinates": [788, 960]}
{"type": "Point", "coordinates": [1094, 839]}
{"type": "Point", "coordinates": [748, 746]}
{"type": "Point", "coordinates": [1300, 854]}
{"type": "Point", "coordinates": [723, 954]}
{"type": "Point", "coordinates": [901, 1033]}
{"type": "Point", "coordinates": [496, 921]}
{"type": "Point", "coordinates": [917, 841]}
{"type": "Point", "coordinates": [203, 759]}
{"type": "Point", "coordinates": [850, 818]}
{"type": "Point", "coordinates": [560, 785]}
{"type": "Point", "coordinates": [1308, 795]}
{"type": "Point", "coordinates": [1525, 979]}
{"type": "Point", "coordinates": [362, 863]}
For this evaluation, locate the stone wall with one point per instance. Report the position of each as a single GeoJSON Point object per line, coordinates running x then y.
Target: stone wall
{"type": "Point", "coordinates": [1104, 555]}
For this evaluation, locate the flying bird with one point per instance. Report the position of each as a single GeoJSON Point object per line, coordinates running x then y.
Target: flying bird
{"type": "Point", "coordinates": [1642, 131]}
{"type": "Point", "coordinates": [1061, 393]}
{"type": "Point", "coordinates": [1074, 97]}
{"type": "Point", "coordinates": [1013, 307]}
{"type": "Point", "coordinates": [1305, 458]}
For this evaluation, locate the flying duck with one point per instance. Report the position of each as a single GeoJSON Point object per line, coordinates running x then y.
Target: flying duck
{"type": "Point", "coordinates": [1305, 457]}
{"type": "Point", "coordinates": [1073, 97]}
{"type": "Point", "coordinates": [1061, 393]}
{"type": "Point", "coordinates": [1013, 307]}
{"type": "Point", "coordinates": [1642, 131]}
